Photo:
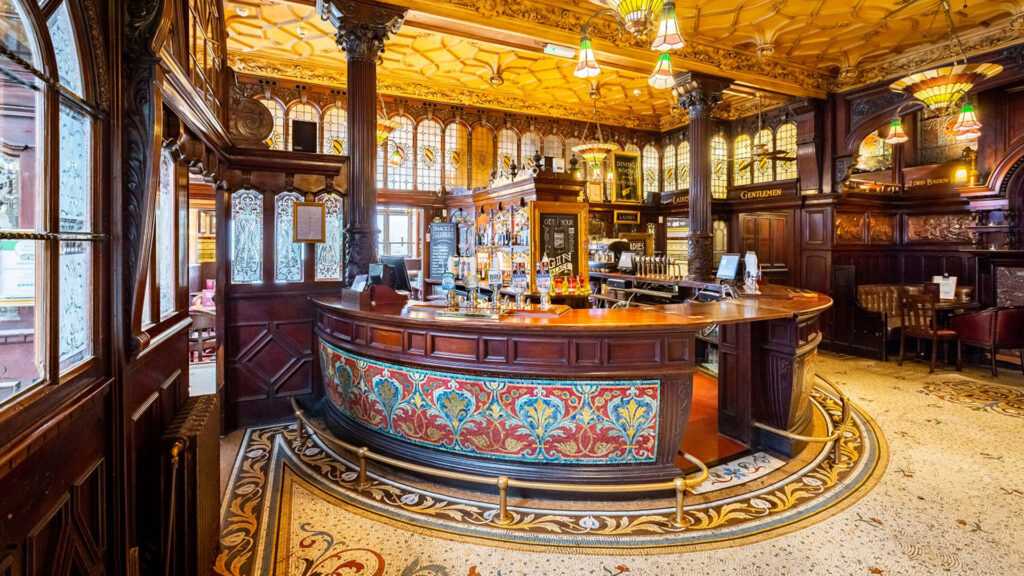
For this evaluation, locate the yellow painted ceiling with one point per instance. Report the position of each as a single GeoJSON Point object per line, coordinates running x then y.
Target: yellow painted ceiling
{"type": "Point", "coordinates": [487, 52]}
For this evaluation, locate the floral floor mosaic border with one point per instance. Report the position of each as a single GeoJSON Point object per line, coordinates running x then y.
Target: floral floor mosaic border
{"type": "Point", "coordinates": [272, 457]}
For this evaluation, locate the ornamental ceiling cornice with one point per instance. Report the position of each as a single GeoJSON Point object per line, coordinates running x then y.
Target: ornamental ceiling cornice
{"type": "Point", "coordinates": [412, 88]}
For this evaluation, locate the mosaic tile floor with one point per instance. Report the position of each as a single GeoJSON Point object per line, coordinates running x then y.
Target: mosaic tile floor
{"type": "Point", "coordinates": [948, 503]}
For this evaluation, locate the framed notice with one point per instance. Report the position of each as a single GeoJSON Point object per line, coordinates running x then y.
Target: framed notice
{"type": "Point", "coordinates": [558, 231]}
{"type": "Point", "coordinates": [309, 222]}
{"type": "Point", "coordinates": [626, 177]}
{"type": "Point", "coordinates": [640, 243]}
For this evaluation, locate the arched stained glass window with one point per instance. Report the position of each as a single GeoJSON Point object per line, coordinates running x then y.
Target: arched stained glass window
{"type": "Point", "coordinates": [400, 151]}
{"type": "Point", "coordinates": [668, 169]}
{"type": "Point", "coordinates": [428, 160]}
{"type": "Point", "coordinates": [330, 252]}
{"type": "Point", "coordinates": [508, 150]}
{"type": "Point", "coordinates": [165, 254]}
{"type": "Point", "coordinates": [382, 153]}
{"type": "Point", "coordinates": [531, 146]}
{"type": "Point", "coordinates": [650, 168]}
{"type": "Point", "coordinates": [683, 166]}
{"type": "Point", "coordinates": [764, 141]}
{"type": "Point", "coordinates": [874, 154]}
{"type": "Point", "coordinates": [483, 156]}
{"type": "Point", "coordinates": [246, 237]}
{"type": "Point", "coordinates": [335, 129]}
{"type": "Point", "coordinates": [303, 112]}
{"type": "Point", "coordinates": [287, 253]}
{"type": "Point", "coordinates": [631, 147]}
{"type": "Point", "coordinates": [741, 150]}
{"type": "Point", "coordinates": [719, 166]}
{"type": "Point", "coordinates": [553, 146]}
{"type": "Point", "coordinates": [276, 139]}
{"type": "Point", "coordinates": [456, 157]}
{"type": "Point", "coordinates": [785, 140]}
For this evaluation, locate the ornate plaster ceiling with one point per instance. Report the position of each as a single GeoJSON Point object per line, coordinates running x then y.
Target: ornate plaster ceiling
{"type": "Point", "coordinates": [291, 41]}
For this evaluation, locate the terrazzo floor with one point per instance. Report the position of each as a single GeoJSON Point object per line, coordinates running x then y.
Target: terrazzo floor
{"type": "Point", "coordinates": [950, 502]}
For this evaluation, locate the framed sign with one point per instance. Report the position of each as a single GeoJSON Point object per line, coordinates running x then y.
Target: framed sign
{"type": "Point", "coordinates": [627, 216]}
{"type": "Point", "coordinates": [640, 243]}
{"type": "Point", "coordinates": [626, 177]}
{"type": "Point", "coordinates": [558, 231]}
{"type": "Point", "coordinates": [309, 222]}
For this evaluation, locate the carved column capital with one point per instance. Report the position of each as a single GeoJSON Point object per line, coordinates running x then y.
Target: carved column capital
{"type": "Point", "coordinates": [699, 93]}
{"type": "Point", "coordinates": [363, 26]}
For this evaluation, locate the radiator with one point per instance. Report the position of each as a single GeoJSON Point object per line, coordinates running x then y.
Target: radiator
{"type": "Point", "coordinates": [190, 489]}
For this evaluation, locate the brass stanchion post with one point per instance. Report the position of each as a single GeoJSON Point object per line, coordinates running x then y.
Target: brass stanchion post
{"type": "Point", "coordinates": [504, 518]}
{"type": "Point", "coordinates": [680, 484]}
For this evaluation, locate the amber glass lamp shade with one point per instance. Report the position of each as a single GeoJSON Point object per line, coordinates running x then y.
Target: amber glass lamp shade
{"type": "Point", "coordinates": [896, 134]}
{"type": "Point", "coordinates": [385, 126]}
{"type": "Point", "coordinates": [669, 37]}
{"type": "Point", "coordinates": [636, 15]}
{"type": "Point", "coordinates": [662, 78]}
{"type": "Point", "coordinates": [586, 65]}
{"type": "Point", "coordinates": [967, 125]}
{"type": "Point", "coordinates": [941, 88]}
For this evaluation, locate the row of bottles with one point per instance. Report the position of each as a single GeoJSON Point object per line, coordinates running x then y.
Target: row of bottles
{"type": "Point", "coordinates": [504, 227]}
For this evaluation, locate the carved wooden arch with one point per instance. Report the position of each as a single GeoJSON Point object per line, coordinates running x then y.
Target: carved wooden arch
{"type": "Point", "coordinates": [873, 123]}
{"type": "Point", "coordinates": [1009, 171]}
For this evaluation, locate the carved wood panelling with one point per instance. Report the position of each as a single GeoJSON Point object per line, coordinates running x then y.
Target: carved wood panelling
{"type": "Point", "coordinates": [849, 227]}
{"type": "Point", "coordinates": [938, 228]}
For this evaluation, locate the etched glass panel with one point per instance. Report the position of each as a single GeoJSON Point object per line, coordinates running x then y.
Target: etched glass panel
{"type": "Point", "coordinates": [165, 241]}
{"type": "Point", "coordinates": [65, 49]}
{"type": "Point", "coordinates": [683, 166]}
{"type": "Point", "coordinates": [668, 169]}
{"type": "Point", "coordinates": [763, 143]}
{"type": "Point", "coordinates": [75, 171]}
{"type": "Point", "coordinates": [246, 237]}
{"type": "Point", "coordinates": [456, 157]}
{"type": "Point", "coordinates": [741, 160]}
{"type": "Point", "coordinates": [288, 253]}
{"type": "Point", "coordinates": [650, 168]}
{"type": "Point", "coordinates": [329, 253]}
{"type": "Point", "coordinates": [76, 291]}
{"type": "Point", "coordinates": [335, 130]}
{"type": "Point", "coordinates": [785, 140]}
{"type": "Point", "coordinates": [428, 168]}
{"type": "Point", "coordinates": [553, 146]}
{"type": "Point", "coordinates": [719, 167]}
{"type": "Point", "coordinates": [531, 145]}
{"type": "Point", "coordinates": [400, 153]}
{"type": "Point", "coordinates": [508, 150]}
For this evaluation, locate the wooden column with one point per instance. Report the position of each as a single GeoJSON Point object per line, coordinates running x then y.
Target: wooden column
{"type": "Point", "coordinates": [362, 29]}
{"type": "Point", "coordinates": [698, 94]}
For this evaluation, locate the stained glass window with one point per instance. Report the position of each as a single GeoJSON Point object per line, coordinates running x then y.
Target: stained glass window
{"type": "Point", "coordinates": [650, 168]}
{"type": "Point", "coordinates": [65, 49]}
{"type": "Point", "coordinates": [302, 112]}
{"type": "Point", "coordinates": [382, 153]}
{"type": "Point", "coordinates": [276, 139]}
{"type": "Point", "coordinates": [763, 142]}
{"type": "Point", "coordinates": [741, 160]}
{"type": "Point", "coordinates": [874, 154]}
{"type": "Point", "coordinates": [683, 166]}
{"type": "Point", "coordinates": [335, 129]}
{"type": "Point", "coordinates": [570, 143]}
{"type": "Point", "coordinates": [508, 150]}
{"type": "Point", "coordinates": [785, 140]}
{"type": "Point", "coordinates": [668, 169]}
{"type": "Point", "coordinates": [483, 156]}
{"type": "Point", "coordinates": [456, 158]}
{"type": "Point", "coordinates": [165, 257]}
{"type": "Point", "coordinates": [531, 146]}
{"type": "Point", "coordinates": [400, 153]}
{"type": "Point", "coordinates": [288, 254]}
{"type": "Point", "coordinates": [428, 168]}
{"type": "Point", "coordinates": [330, 252]}
{"type": "Point", "coordinates": [631, 147]}
{"type": "Point", "coordinates": [246, 237]}
{"type": "Point", "coordinates": [553, 146]}
{"type": "Point", "coordinates": [719, 166]}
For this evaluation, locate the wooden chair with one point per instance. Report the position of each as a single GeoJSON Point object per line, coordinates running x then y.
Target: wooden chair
{"type": "Point", "coordinates": [919, 321]}
{"type": "Point", "coordinates": [882, 302]}
{"type": "Point", "coordinates": [203, 333]}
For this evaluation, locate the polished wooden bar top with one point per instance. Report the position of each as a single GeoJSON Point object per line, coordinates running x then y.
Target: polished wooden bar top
{"type": "Point", "coordinates": [775, 302]}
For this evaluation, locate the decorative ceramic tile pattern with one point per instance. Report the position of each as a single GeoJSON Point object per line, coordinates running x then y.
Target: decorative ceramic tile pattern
{"type": "Point", "coordinates": [580, 422]}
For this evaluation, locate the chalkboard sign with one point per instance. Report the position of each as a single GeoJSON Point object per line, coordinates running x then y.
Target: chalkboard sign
{"type": "Point", "coordinates": [442, 246]}
{"type": "Point", "coordinates": [559, 241]}
{"type": "Point", "coordinates": [626, 168]}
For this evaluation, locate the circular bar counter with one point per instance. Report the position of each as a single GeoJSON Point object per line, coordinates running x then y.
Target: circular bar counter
{"type": "Point", "coordinates": [592, 395]}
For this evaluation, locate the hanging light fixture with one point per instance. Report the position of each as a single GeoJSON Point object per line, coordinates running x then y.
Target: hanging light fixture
{"type": "Point", "coordinates": [896, 133]}
{"type": "Point", "coordinates": [942, 88]}
{"type": "Point", "coordinates": [662, 77]}
{"type": "Point", "coordinates": [669, 37]}
{"type": "Point", "coordinates": [967, 126]}
{"type": "Point", "coordinates": [586, 66]}
{"type": "Point", "coordinates": [385, 125]}
{"type": "Point", "coordinates": [638, 18]}
{"type": "Point", "coordinates": [594, 153]}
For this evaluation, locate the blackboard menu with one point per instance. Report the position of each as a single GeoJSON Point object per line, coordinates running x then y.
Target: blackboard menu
{"type": "Point", "coordinates": [442, 246]}
{"type": "Point", "coordinates": [627, 177]}
{"type": "Point", "coordinates": [559, 241]}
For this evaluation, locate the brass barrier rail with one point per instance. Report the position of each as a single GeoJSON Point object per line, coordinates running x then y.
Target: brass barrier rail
{"type": "Point", "coordinates": [839, 427]}
{"type": "Point", "coordinates": [679, 484]}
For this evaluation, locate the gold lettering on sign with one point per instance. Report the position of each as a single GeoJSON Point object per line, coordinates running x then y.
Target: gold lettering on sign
{"type": "Point", "coordinates": [928, 182]}
{"type": "Point", "coordinates": [767, 193]}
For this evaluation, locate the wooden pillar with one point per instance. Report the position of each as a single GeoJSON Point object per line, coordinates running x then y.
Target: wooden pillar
{"type": "Point", "coordinates": [698, 94]}
{"type": "Point", "coordinates": [362, 29]}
